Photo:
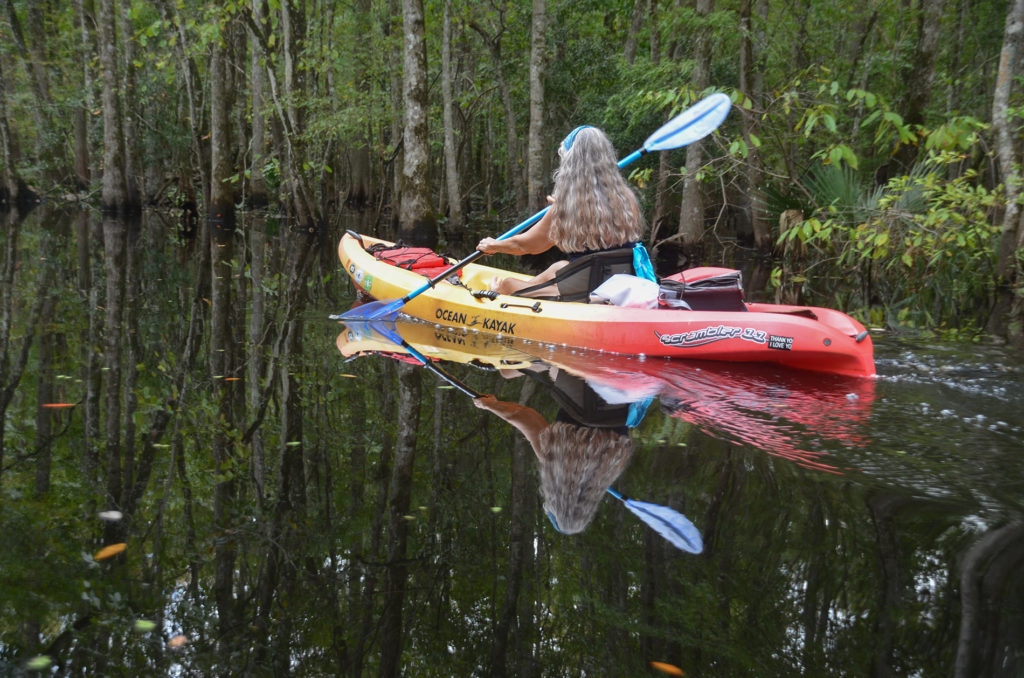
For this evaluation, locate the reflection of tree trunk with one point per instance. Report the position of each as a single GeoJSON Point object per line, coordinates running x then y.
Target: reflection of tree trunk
{"type": "Point", "coordinates": [256, 362]}
{"type": "Point", "coordinates": [883, 510]}
{"type": "Point", "coordinates": [520, 540]}
{"type": "Point", "coordinates": [367, 604]}
{"type": "Point", "coordinates": [988, 572]}
{"type": "Point", "coordinates": [13, 367]}
{"type": "Point", "coordinates": [113, 264]}
{"type": "Point", "coordinates": [398, 524]}
{"type": "Point", "coordinates": [90, 357]}
{"type": "Point", "coordinates": [44, 395]}
{"type": "Point", "coordinates": [225, 486]}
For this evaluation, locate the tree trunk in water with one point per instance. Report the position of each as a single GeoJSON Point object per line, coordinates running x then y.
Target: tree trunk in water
{"type": "Point", "coordinates": [257, 182]}
{"type": "Point", "coordinates": [83, 171]}
{"type": "Point", "coordinates": [451, 155]}
{"type": "Point", "coordinates": [535, 144]}
{"type": "Point", "coordinates": [1008, 316]}
{"type": "Point", "coordinates": [115, 189]}
{"type": "Point", "coordinates": [918, 81]}
{"type": "Point", "coordinates": [132, 177]}
{"type": "Point", "coordinates": [398, 526]}
{"type": "Point", "coordinates": [33, 52]}
{"type": "Point", "coordinates": [11, 185]}
{"type": "Point", "coordinates": [416, 220]}
{"type": "Point", "coordinates": [221, 211]}
{"type": "Point", "coordinates": [691, 215]}
{"type": "Point", "coordinates": [752, 85]}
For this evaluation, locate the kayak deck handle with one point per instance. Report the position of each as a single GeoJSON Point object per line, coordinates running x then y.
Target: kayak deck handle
{"type": "Point", "coordinates": [535, 307]}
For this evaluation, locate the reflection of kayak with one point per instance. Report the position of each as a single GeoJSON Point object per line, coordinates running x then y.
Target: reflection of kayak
{"type": "Point", "coordinates": [758, 405]}
{"type": "Point", "coordinates": [809, 338]}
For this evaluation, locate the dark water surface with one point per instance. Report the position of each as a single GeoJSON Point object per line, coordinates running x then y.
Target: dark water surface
{"type": "Point", "coordinates": [287, 510]}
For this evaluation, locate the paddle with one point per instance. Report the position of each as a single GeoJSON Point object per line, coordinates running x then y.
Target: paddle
{"type": "Point", "coordinates": [669, 523]}
{"type": "Point", "coordinates": [691, 125]}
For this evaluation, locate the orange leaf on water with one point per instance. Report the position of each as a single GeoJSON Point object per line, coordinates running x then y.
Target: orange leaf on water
{"type": "Point", "coordinates": [57, 406]}
{"type": "Point", "coordinates": [109, 551]}
{"type": "Point", "coordinates": [667, 668]}
{"type": "Point", "coordinates": [177, 642]}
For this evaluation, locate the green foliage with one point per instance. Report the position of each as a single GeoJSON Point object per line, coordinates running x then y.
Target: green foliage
{"type": "Point", "coordinates": [922, 245]}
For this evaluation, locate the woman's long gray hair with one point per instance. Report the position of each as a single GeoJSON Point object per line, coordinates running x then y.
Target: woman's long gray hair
{"type": "Point", "coordinates": [594, 207]}
{"type": "Point", "coordinates": [577, 465]}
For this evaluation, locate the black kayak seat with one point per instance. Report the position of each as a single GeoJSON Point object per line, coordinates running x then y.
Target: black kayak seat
{"type": "Point", "coordinates": [581, 276]}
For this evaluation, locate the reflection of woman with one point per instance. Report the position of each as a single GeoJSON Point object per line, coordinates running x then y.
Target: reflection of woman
{"type": "Point", "coordinates": [580, 454]}
{"type": "Point", "coordinates": [593, 210]}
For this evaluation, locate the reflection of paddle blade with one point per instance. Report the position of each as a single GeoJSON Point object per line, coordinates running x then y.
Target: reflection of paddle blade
{"type": "Point", "coordinates": [374, 310]}
{"type": "Point", "coordinates": [670, 524]}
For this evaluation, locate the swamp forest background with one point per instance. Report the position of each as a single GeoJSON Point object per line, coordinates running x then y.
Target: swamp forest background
{"type": "Point", "coordinates": [175, 176]}
{"type": "Point", "coordinates": [873, 151]}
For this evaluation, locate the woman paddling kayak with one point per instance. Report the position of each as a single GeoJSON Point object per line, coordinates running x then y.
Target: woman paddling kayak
{"type": "Point", "coordinates": [593, 210]}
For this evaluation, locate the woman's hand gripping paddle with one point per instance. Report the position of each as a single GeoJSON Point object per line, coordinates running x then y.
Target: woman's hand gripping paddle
{"type": "Point", "coordinates": [691, 125]}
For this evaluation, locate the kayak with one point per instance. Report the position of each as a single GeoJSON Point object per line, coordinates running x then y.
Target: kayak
{"type": "Point", "coordinates": [801, 337]}
{"type": "Point", "coordinates": [755, 404]}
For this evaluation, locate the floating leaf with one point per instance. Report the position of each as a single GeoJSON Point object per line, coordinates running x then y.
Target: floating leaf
{"type": "Point", "coordinates": [177, 642]}
{"type": "Point", "coordinates": [495, 509]}
{"type": "Point", "coordinates": [57, 406]}
{"type": "Point", "coordinates": [667, 668]}
{"type": "Point", "coordinates": [110, 516]}
{"type": "Point", "coordinates": [109, 551]}
{"type": "Point", "coordinates": [348, 376]}
{"type": "Point", "coordinates": [39, 662]}
{"type": "Point", "coordinates": [144, 625]}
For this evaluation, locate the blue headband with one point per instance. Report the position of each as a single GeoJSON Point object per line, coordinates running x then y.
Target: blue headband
{"type": "Point", "coordinates": [567, 142]}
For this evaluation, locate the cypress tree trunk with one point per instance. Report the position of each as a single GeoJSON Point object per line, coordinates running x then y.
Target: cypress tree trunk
{"type": "Point", "coordinates": [691, 216]}
{"type": "Point", "coordinates": [115, 189]}
{"type": "Point", "coordinates": [535, 151]}
{"type": "Point", "coordinates": [221, 211]}
{"type": "Point", "coordinates": [451, 156]}
{"type": "Point", "coordinates": [752, 85]}
{"type": "Point", "coordinates": [1008, 316]}
{"type": "Point", "coordinates": [416, 222]}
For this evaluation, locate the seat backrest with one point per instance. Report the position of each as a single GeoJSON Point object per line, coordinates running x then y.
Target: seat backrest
{"type": "Point", "coordinates": [581, 276]}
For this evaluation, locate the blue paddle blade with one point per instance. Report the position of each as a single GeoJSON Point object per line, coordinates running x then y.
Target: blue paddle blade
{"type": "Point", "coordinates": [695, 123]}
{"type": "Point", "coordinates": [374, 310]}
{"type": "Point", "coordinates": [670, 524]}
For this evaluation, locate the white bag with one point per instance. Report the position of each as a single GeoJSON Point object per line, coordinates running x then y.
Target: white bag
{"type": "Point", "coordinates": [628, 291]}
